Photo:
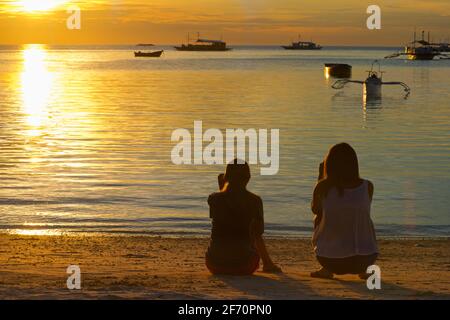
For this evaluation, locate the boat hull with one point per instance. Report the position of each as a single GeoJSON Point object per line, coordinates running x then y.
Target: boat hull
{"type": "Point", "coordinates": [421, 53]}
{"type": "Point", "coordinates": [338, 70]}
{"type": "Point", "coordinates": [155, 54]}
{"type": "Point", "coordinates": [207, 49]}
{"type": "Point", "coordinates": [372, 89]}
{"type": "Point", "coordinates": [421, 56]}
{"type": "Point", "coordinates": [299, 48]}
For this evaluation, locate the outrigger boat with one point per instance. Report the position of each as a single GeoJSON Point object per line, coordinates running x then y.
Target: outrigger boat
{"type": "Point", "coordinates": [421, 50]}
{"type": "Point", "coordinates": [303, 45]}
{"type": "Point", "coordinates": [373, 83]}
{"type": "Point", "coordinates": [154, 54]}
{"type": "Point", "coordinates": [204, 45]}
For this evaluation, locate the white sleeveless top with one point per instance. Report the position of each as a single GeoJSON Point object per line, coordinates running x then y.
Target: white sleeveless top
{"type": "Point", "coordinates": [346, 228]}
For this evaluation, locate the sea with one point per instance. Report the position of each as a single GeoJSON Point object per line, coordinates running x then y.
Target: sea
{"type": "Point", "coordinates": [85, 136]}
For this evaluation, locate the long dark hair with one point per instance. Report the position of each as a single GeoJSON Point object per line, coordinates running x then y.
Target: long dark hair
{"type": "Point", "coordinates": [237, 175]}
{"type": "Point", "coordinates": [341, 167]}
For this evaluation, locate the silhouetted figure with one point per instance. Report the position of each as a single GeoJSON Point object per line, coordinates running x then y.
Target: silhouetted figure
{"type": "Point", "coordinates": [344, 236]}
{"type": "Point", "coordinates": [236, 244]}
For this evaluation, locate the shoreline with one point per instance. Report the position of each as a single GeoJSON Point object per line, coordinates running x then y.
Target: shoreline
{"type": "Point", "coordinates": [144, 267]}
{"type": "Point", "coordinates": [29, 233]}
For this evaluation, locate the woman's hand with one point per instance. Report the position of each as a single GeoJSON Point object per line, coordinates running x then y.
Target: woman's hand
{"type": "Point", "coordinates": [321, 171]}
{"type": "Point", "coordinates": [221, 181]}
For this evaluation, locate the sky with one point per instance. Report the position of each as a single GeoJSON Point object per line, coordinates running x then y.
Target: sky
{"type": "Point", "coordinates": [328, 22]}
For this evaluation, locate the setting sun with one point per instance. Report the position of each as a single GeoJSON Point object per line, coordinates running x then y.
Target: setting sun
{"type": "Point", "coordinates": [39, 5]}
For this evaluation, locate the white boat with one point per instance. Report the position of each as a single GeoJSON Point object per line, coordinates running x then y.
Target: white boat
{"type": "Point", "coordinates": [372, 86]}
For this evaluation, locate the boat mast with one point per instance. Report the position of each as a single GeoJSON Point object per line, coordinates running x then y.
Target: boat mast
{"type": "Point", "coordinates": [415, 37]}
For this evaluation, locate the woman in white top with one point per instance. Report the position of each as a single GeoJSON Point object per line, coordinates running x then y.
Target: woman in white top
{"type": "Point", "coordinates": [344, 236]}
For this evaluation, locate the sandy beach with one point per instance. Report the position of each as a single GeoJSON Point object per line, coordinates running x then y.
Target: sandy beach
{"type": "Point", "coordinates": [34, 267]}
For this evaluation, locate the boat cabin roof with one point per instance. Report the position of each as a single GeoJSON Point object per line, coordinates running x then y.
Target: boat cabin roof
{"type": "Point", "coordinates": [210, 41]}
{"type": "Point", "coordinates": [304, 42]}
{"type": "Point", "coordinates": [423, 42]}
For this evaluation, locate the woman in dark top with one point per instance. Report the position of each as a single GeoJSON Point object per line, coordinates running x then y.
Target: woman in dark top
{"type": "Point", "coordinates": [236, 244]}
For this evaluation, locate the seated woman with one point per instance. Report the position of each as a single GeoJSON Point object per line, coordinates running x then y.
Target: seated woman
{"type": "Point", "coordinates": [344, 236]}
{"type": "Point", "coordinates": [236, 244]}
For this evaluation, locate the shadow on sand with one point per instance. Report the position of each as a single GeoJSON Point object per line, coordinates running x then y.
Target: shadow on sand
{"type": "Point", "coordinates": [269, 286]}
{"type": "Point", "coordinates": [282, 286]}
{"type": "Point", "coordinates": [390, 290]}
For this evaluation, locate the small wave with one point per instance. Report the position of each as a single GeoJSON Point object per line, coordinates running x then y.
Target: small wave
{"type": "Point", "coordinates": [201, 226]}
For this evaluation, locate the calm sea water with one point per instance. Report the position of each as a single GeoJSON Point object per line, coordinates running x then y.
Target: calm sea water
{"type": "Point", "coordinates": [85, 137]}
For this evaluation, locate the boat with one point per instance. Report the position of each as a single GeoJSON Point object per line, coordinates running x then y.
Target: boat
{"type": "Point", "coordinates": [424, 52]}
{"type": "Point", "coordinates": [338, 70]}
{"type": "Point", "coordinates": [443, 47]}
{"type": "Point", "coordinates": [373, 83]}
{"type": "Point", "coordinates": [204, 45]}
{"type": "Point", "coordinates": [153, 54]}
{"type": "Point", "coordinates": [303, 45]}
{"type": "Point", "coordinates": [145, 45]}
{"type": "Point", "coordinates": [420, 50]}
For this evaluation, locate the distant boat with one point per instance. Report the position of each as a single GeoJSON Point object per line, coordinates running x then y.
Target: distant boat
{"type": "Point", "coordinates": [338, 70]}
{"type": "Point", "coordinates": [204, 45]}
{"type": "Point", "coordinates": [420, 50]}
{"type": "Point", "coordinates": [303, 45]}
{"type": "Point", "coordinates": [443, 47]}
{"type": "Point", "coordinates": [145, 45]}
{"type": "Point", "coordinates": [154, 54]}
{"type": "Point", "coordinates": [424, 52]}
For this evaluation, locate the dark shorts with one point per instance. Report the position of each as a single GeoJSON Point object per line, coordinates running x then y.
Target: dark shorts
{"type": "Point", "coordinates": [245, 269]}
{"type": "Point", "coordinates": [350, 265]}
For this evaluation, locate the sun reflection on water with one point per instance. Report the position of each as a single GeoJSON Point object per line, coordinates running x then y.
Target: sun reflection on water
{"type": "Point", "coordinates": [35, 232]}
{"type": "Point", "coordinates": [36, 87]}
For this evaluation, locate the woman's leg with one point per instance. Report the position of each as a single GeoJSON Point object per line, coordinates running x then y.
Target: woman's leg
{"type": "Point", "coordinates": [357, 264]}
{"type": "Point", "coordinates": [245, 270]}
{"type": "Point", "coordinates": [338, 265]}
{"type": "Point", "coordinates": [365, 262]}
{"type": "Point", "coordinates": [351, 265]}
{"type": "Point", "coordinates": [256, 230]}
{"type": "Point", "coordinates": [324, 272]}
{"type": "Point", "coordinates": [268, 264]}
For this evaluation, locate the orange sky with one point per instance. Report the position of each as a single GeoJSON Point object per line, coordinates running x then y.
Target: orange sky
{"type": "Point", "coordinates": [240, 21]}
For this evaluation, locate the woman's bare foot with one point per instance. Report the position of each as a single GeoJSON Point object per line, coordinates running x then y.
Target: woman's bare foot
{"type": "Point", "coordinates": [323, 274]}
{"type": "Point", "coordinates": [272, 268]}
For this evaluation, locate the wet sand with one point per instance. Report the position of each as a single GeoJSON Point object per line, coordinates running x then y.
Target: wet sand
{"type": "Point", "coordinates": [119, 267]}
